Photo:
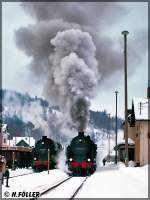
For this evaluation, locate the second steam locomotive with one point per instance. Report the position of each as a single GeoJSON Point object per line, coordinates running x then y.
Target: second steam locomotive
{"type": "Point", "coordinates": [45, 154]}
{"type": "Point", "coordinates": [81, 155]}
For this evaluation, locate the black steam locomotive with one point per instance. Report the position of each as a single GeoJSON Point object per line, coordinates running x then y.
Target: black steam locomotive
{"type": "Point", "coordinates": [45, 154]}
{"type": "Point", "coordinates": [81, 155]}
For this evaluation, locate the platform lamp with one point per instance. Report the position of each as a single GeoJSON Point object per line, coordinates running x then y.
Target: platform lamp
{"type": "Point", "coordinates": [13, 160]}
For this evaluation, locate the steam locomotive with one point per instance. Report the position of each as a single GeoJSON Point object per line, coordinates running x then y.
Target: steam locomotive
{"type": "Point", "coordinates": [81, 155]}
{"type": "Point", "coordinates": [45, 154]}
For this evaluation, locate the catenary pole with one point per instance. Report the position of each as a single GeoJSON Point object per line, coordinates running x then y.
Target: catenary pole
{"type": "Point", "coordinates": [109, 137]}
{"type": "Point", "coordinates": [125, 33]}
{"type": "Point", "coordinates": [116, 130]}
{"type": "Point", "coordinates": [48, 159]}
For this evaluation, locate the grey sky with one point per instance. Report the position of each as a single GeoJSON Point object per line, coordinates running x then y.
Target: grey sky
{"type": "Point", "coordinates": [16, 75]}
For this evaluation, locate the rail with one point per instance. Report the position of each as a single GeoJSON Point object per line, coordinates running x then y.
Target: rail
{"type": "Point", "coordinates": [53, 187]}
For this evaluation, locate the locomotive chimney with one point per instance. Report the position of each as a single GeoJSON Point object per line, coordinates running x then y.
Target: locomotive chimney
{"type": "Point", "coordinates": [44, 137]}
{"type": "Point", "coordinates": [81, 134]}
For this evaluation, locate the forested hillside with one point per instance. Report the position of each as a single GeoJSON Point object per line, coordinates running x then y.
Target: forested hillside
{"type": "Point", "coordinates": [26, 115]}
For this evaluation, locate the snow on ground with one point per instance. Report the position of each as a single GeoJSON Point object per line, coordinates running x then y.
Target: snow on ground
{"type": "Point", "coordinates": [34, 182]}
{"type": "Point", "coordinates": [110, 181]}
{"type": "Point", "coordinates": [117, 182]}
{"type": "Point", "coordinates": [103, 146]}
{"type": "Point", "coordinates": [66, 190]}
{"type": "Point", "coordinates": [20, 171]}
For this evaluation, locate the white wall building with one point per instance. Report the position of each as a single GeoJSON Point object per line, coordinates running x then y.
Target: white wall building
{"type": "Point", "coordinates": [28, 140]}
{"type": "Point", "coordinates": [3, 135]}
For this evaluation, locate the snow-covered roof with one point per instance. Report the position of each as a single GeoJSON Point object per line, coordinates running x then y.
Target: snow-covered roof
{"type": "Point", "coordinates": [130, 141]}
{"type": "Point", "coordinates": [16, 140]}
{"type": "Point", "coordinates": [4, 130]}
{"type": "Point", "coordinates": [4, 127]}
{"type": "Point", "coordinates": [141, 108]}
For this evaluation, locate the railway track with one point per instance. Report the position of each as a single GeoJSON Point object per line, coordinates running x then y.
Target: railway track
{"type": "Point", "coordinates": [56, 189]}
{"type": "Point", "coordinates": [78, 189]}
{"type": "Point", "coordinates": [53, 187]}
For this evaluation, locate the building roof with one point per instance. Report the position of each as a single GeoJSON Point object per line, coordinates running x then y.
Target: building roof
{"type": "Point", "coordinates": [22, 143]}
{"type": "Point", "coordinates": [130, 141]}
{"type": "Point", "coordinates": [141, 108]}
{"type": "Point", "coordinates": [29, 140]}
{"type": "Point", "coordinates": [4, 126]}
{"type": "Point", "coordinates": [3, 129]}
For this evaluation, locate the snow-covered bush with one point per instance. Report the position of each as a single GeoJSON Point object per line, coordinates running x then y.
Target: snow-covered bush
{"type": "Point", "coordinates": [131, 163]}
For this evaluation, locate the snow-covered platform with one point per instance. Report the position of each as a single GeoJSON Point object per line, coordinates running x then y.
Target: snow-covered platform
{"type": "Point", "coordinates": [117, 182]}
{"type": "Point", "coordinates": [110, 181]}
{"type": "Point", "coordinates": [35, 182]}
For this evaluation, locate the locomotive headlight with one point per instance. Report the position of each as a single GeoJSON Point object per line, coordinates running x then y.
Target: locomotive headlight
{"type": "Point", "coordinates": [70, 159]}
{"type": "Point", "coordinates": [35, 159]}
{"type": "Point", "coordinates": [89, 159]}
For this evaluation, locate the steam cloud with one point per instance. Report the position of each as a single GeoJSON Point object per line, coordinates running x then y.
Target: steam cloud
{"type": "Point", "coordinates": [28, 113]}
{"type": "Point", "coordinates": [69, 52]}
{"type": "Point", "coordinates": [74, 73]}
{"type": "Point", "coordinates": [50, 121]}
{"type": "Point", "coordinates": [80, 113]}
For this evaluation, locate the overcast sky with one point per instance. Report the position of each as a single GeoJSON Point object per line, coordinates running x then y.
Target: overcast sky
{"type": "Point", "coordinates": [17, 76]}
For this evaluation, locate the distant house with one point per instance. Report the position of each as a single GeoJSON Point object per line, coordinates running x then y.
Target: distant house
{"type": "Point", "coordinates": [22, 141]}
{"type": "Point", "coordinates": [121, 150]}
{"type": "Point", "coordinates": [138, 129]}
{"type": "Point", "coordinates": [138, 133]}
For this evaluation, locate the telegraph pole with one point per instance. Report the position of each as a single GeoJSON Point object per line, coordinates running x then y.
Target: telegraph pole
{"type": "Point", "coordinates": [48, 159]}
{"type": "Point", "coordinates": [125, 33]}
{"type": "Point", "coordinates": [13, 161]}
{"type": "Point", "coordinates": [109, 138]}
{"type": "Point", "coordinates": [116, 129]}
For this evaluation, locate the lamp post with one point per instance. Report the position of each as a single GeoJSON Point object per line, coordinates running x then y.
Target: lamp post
{"type": "Point", "coordinates": [13, 161]}
{"type": "Point", "coordinates": [116, 130]}
{"type": "Point", "coordinates": [109, 138]}
{"type": "Point", "coordinates": [125, 33]}
{"type": "Point", "coordinates": [48, 160]}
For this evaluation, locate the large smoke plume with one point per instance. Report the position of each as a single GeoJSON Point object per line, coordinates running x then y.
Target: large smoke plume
{"type": "Point", "coordinates": [70, 52]}
{"type": "Point", "coordinates": [73, 73]}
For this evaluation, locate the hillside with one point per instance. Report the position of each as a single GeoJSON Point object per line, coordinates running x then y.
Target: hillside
{"type": "Point", "coordinates": [26, 115]}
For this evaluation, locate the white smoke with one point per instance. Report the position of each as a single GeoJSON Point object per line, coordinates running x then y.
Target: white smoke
{"type": "Point", "coordinates": [68, 63]}
{"type": "Point", "coordinates": [59, 128]}
{"type": "Point", "coordinates": [32, 112]}
{"type": "Point", "coordinates": [61, 160]}
{"type": "Point", "coordinates": [50, 121]}
{"type": "Point", "coordinates": [74, 73]}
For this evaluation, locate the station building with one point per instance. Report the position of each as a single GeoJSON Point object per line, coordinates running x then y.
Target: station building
{"type": "Point", "coordinates": [138, 132]}
{"type": "Point", "coordinates": [17, 150]}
